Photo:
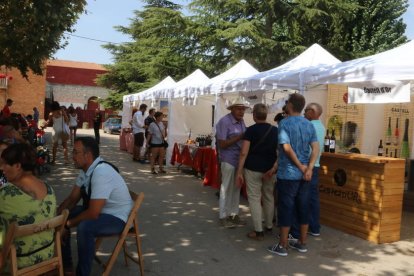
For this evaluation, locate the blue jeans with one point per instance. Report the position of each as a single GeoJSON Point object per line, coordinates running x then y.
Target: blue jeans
{"type": "Point", "coordinates": [314, 205]}
{"type": "Point", "coordinates": [87, 231]}
{"type": "Point", "coordinates": [314, 208]}
{"type": "Point", "coordinates": [293, 202]}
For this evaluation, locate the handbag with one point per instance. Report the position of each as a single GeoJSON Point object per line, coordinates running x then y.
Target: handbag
{"type": "Point", "coordinates": [164, 143]}
{"type": "Point", "coordinates": [64, 135]}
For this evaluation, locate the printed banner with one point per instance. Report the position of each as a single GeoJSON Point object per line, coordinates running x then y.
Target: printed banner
{"type": "Point", "coordinates": [379, 92]}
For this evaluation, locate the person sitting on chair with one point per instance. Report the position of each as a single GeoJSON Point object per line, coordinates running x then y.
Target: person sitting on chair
{"type": "Point", "coordinates": [106, 204]}
{"type": "Point", "coordinates": [26, 200]}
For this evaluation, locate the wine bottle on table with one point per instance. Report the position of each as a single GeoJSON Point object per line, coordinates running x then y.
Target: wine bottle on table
{"type": "Point", "coordinates": [380, 149]}
{"type": "Point", "coordinates": [405, 151]}
{"type": "Point", "coordinates": [332, 142]}
{"type": "Point", "coordinates": [395, 154]}
{"type": "Point", "coordinates": [388, 136]}
{"type": "Point", "coordinates": [326, 144]}
{"type": "Point", "coordinates": [396, 135]}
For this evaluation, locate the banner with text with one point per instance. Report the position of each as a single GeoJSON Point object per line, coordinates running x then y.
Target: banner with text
{"type": "Point", "coordinates": [379, 92]}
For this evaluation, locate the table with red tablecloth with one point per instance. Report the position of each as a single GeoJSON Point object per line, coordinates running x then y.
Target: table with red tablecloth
{"type": "Point", "coordinates": [203, 160]}
{"type": "Point", "coordinates": [126, 141]}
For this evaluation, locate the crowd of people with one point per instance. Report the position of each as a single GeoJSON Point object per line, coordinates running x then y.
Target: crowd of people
{"type": "Point", "coordinates": [250, 156]}
{"type": "Point", "coordinates": [277, 164]}
{"type": "Point", "coordinates": [26, 199]}
{"type": "Point", "coordinates": [151, 132]}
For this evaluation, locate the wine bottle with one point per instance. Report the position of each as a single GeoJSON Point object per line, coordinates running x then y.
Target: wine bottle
{"type": "Point", "coordinates": [326, 145]}
{"type": "Point", "coordinates": [332, 142]}
{"type": "Point", "coordinates": [388, 136]}
{"type": "Point", "coordinates": [396, 135]}
{"type": "Point", "coordinates": [380, 149]}
{"type": "Point", "coordinates": [386, 152]}
{"type": "Point", "coordinates": [404, 148]}
{"type": "Point", "coordinates": [395, 154]}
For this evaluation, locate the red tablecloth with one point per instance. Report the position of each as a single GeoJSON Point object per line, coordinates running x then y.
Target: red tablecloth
{"type": "Point", "coordinates": [122, 140]}
{"type": "Point", "coordinates": [203, 160]}
{"type": "Point", "coordinates": [129, 141]}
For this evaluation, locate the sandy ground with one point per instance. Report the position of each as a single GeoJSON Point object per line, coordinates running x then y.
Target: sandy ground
{"type": "Point", "coordinates": [181, 236]}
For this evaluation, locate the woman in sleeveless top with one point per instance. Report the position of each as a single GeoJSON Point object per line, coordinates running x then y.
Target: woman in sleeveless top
{"type": "Point", "coordinates": [26, 200]}
{"type": "Point", "coordinates": [58, 119]}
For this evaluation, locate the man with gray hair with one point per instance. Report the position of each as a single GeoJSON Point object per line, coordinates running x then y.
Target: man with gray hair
{"type": "Point", "coordinates": [229, 132]}
{"type": "Point", "coordinates": [313, 111]}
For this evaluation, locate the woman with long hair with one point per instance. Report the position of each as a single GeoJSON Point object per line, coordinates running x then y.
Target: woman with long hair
{"type": "Point", "coordinates": [156, 141]}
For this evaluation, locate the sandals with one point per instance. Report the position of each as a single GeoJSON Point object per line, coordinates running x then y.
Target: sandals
{"type": "Point", "coordinates": [153, 171]}
{"type": "Point", "coordinates": [254, 235]}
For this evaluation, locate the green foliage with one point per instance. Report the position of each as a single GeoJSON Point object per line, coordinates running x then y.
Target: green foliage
{"type": "Point", "coordinates": [31, 31]}
{"type": "Point", "coordinates": [380, 27]}
{"type": "Point", "coordinates": [267, 33]}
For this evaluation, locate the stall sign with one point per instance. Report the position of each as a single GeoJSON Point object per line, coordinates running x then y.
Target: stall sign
{"type": "Point", "coordinates": [379, 92]}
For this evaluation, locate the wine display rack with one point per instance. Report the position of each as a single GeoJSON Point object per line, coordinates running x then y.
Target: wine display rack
{"type": "Point", "coordinates": [346, 119]}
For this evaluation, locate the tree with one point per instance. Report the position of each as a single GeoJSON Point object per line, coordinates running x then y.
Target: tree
{"type": "Point", "coordinates": [380, 27]}
{"type": "Point", "coordinates": [31, 31]}
{"type": "Point", "coordinates": [161, 47]}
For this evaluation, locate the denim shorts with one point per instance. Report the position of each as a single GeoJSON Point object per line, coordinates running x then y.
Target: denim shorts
{"type": "Point", "coordinates": [293, 197]}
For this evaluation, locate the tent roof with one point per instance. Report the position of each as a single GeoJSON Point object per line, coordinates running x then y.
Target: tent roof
{"type": "Point", "coordinates": [394, 64]}
{"type": "Point", "coordinates": [287, 75]}
{"type": "Point", "coordinates": [146, 94]}
{"type": "Point", "coordinates": [181, 88]}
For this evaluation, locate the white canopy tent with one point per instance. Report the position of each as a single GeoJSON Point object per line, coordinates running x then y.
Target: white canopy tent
{"type": "Point", "coordinates": [128, 100]}
{"type": "Point", "coordinates": [195, 103]}
{"type": "Point", "coordinates": [273, 85]}
{"type": "Point", "coordinates": [286, 76]}
{"type": "Point", "coordinates": [383, 69]}
{"type": "Point", "coordinates": [394, 64]}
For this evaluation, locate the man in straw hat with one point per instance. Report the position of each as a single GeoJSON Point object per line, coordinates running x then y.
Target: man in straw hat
{"type": "Point", "coordinates": [229, 132]}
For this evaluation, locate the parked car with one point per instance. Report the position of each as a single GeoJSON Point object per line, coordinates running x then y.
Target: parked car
{"type": "Point", "coordinates": [112, 125]}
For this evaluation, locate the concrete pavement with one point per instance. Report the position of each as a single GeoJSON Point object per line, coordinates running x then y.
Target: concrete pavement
{"type": "Point", "coordinates": [181, 236]}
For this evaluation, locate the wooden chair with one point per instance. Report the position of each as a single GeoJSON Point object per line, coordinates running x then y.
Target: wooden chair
{"type": "Point", "coordinates": [131, 231]}
{"type": "Point", "coordinates": [16, 231]}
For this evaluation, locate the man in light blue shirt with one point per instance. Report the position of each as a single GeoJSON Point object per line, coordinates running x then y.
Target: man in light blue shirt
{"type": "Point", "coordinates": [312, 112]}
{"type": "Point", "coordinates": [106, 204]}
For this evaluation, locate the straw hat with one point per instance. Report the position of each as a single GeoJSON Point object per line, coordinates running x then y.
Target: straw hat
{"type": "Point", "coordinates": [238, 102]}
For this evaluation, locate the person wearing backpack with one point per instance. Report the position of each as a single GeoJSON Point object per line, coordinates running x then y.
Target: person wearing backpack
{"type": "Point", "coordinates": [106, 204]}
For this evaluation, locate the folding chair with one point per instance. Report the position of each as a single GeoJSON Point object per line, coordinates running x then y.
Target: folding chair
{"type": "Point", "coordinates": [16, 231]}
{"type": "Point", "coordinates": [131, 231]}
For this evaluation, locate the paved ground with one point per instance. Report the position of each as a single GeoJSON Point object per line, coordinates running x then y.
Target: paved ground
{"type": "Point", "coordinates": [180, 234]}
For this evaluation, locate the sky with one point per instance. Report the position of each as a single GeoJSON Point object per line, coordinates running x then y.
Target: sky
{"type": "Point", "coordinates": [101, 17]}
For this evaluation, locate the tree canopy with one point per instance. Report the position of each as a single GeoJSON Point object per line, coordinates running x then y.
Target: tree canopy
{"type": "Point", "coordinates": [31, 31]}
{"type": "Point", "coordinates": [218, 33]}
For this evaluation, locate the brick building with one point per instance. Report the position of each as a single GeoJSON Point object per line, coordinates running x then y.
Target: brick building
{"type": "Point", "coordinates": [25, 93]}
{"type": "Point", "coordinates": [73, 83]}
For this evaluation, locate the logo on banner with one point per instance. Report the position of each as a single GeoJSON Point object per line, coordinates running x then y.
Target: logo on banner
{"type": "Point", "coordinates": [375, 92]}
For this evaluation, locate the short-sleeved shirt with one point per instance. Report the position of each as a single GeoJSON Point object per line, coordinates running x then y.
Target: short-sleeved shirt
{"type": "Point", "coordinates": [299, 133]}
{"type": "Point", "coordinates": [107, 184]}
{"type": "Point", "coordinates": [227, 128]}
{"type": "Point", "coordinates": [16, 205]}
{"type": "Point", "coordinates": [6, 111]}
{"type": "Point", "coordinates": [138, 122]}
{"type": "Point", "coordinates": [262, 155]}
{"type": "Point", "coordinates": [157, 133]}
{"type": "Point", "coordinates": [320, 134]}
{"type": "Point", "coordinates": [147, 122]}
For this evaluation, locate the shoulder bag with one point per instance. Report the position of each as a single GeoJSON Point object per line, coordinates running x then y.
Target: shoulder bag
{"type": "Point", "coordinates": [164, 143]}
